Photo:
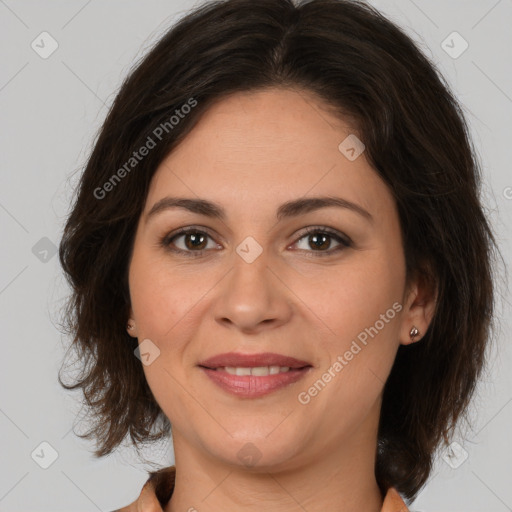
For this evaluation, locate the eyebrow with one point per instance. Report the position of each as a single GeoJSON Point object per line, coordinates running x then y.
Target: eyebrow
{"type": "Point", "coordinates": [286, 210]}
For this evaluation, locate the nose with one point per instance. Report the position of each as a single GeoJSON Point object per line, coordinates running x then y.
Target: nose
{"type": "Point", "coordinates": [253, 296]}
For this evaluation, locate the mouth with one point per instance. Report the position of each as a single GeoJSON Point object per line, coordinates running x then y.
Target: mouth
{"type": "Point", "coordinates": [254, 375]}
{"type": "Point", "coordinates": [262, 360]}
{"type": "Point", "coordinates": [256, 371]}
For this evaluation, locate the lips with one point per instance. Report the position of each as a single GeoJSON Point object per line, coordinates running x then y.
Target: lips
{"type": "Point", "coordinates": [254, 375]}
{"type": "Point", "coordinates": [233, 359]}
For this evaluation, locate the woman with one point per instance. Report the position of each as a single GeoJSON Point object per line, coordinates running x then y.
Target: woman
{"type": "Point", "coordinates": [277, 248]}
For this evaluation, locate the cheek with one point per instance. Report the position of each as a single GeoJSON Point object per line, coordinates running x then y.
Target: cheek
{"type": "Point", "coordinates": [346, 299]}
{"type": "Point", "coordinates": [161, 300]}
{"type": "Point", "coordinates": [161, 295]}
{"type": "Point", "coordinates": [357, 310]}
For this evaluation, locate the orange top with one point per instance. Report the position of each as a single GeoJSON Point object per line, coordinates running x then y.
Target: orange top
{"type": "Point", "coordinates": [157, 491]}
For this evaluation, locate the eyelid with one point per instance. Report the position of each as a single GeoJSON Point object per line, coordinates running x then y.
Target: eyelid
{"type": "Point", "coordinates": [327, 230]}
{"type": "Point", "coordinates": [166, 240]}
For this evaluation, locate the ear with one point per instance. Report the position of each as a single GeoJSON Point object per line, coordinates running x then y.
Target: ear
{"type": "Point", "coordinates": [131, 322]}
{"type": "Point", "coordinates": [420, 301]}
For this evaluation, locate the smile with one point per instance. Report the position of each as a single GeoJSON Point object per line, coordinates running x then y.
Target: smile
{"type": "Point", "coordinates": [254, 382]}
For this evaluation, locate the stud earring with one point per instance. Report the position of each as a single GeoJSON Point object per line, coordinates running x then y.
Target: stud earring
{"type": "Point", "coordinates": [130, 326]}
{"type": "Point", "coordinates": [413, 332]}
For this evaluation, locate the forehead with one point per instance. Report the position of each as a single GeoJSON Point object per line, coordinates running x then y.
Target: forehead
{"type": "Point", "coordinates": [282, 141]}
{"type": "Point", "coordinates": [269, 125]}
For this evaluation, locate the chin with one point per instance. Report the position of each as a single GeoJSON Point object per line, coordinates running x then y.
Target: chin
{"type": "Point", "coordinates": [256, 450]}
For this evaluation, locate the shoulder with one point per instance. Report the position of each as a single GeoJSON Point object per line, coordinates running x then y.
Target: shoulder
{"type": "Point", "coordinates": [155, 493]}
{"type": "Point", "coordinates": [393, 502]}
{"type": "Point", "coordinates": [146, 502]}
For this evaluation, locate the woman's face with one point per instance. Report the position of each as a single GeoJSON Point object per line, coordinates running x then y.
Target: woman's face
{"type": "Point", "coordinates": [254, 281]}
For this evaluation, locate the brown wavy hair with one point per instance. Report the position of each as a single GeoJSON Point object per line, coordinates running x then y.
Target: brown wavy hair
{"type": "Point", "coordinates": [367, 70]}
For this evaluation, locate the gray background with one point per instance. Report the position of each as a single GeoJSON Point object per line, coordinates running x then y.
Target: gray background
{"type": "Point", "coordinates": [51, 109]}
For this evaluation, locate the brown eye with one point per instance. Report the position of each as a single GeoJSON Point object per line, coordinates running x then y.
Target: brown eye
{"type": "Point", "coordinates": [320, 241]}
{"type": "Point", "coordinates": [188, 241]}
{"type": "Point", "coordinates": [194, 240]}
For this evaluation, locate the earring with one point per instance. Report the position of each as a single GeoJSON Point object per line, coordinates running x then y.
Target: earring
{"type": "Point", "coordinates": [130, 326]}
{"type": "Point", "coordinates": [413, 332]}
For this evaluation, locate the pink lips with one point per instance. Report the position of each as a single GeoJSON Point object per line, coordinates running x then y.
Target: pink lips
{"type": "Point", "coordinates": [251, 386]}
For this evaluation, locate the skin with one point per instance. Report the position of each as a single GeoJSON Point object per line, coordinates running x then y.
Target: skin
{"type": "Point", "coordinates": [250, 153]}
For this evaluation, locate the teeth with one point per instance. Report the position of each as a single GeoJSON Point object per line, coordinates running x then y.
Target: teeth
{"type": "Point", "coordinates": [258, 371]}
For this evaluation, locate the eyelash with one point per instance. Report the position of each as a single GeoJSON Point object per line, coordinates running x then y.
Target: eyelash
{"type": "Point", "coordinates": [344, 241]}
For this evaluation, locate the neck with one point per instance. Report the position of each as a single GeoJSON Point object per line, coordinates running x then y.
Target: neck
{"type": "Point", "coordinates": [341, 479]}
